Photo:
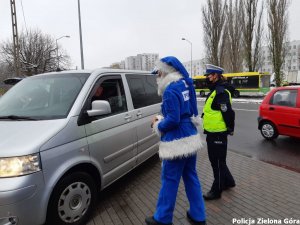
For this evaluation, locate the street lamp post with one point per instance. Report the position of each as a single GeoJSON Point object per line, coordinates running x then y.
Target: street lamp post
{"type": "Point", "coordinates": [184, 39]}
{"type": "Point", "coordinates": [57, 58]}
{"type": "Point", "coordinates": [80, 36]}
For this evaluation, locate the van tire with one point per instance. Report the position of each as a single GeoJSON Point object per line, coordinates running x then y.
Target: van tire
{"type": "Point", "coordinates": [268, 130]}
{"type": "Point", "coordinates": [76, 193]}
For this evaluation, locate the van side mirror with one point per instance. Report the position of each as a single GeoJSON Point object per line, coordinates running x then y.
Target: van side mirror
{"type": "Point", "coordinates": [12, 80]}
{"type": "Point", "coordinates": [99, 107]}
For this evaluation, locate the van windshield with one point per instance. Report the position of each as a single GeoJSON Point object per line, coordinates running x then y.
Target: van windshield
{"type": "Point", "coordinates": [42, 97]}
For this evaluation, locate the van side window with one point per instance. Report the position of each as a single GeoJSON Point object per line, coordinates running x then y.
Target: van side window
{"type": "Point", "coordinates": [111, 90]}
{"type": "Point", "coordinates": [285, 98]}
{"type": "Point", "coordinates": [143, 89]}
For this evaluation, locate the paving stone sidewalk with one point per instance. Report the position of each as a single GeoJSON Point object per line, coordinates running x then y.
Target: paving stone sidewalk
{"type": "Point", "coordinates": [264, 193]}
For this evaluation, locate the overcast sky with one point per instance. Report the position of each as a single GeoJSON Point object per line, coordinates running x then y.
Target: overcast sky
{"type": "Point", "coordinates": [115, 29]}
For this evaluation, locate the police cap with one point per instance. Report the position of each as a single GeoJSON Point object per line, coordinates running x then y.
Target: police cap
{"type": "Point", "coordinates": [213, 69]}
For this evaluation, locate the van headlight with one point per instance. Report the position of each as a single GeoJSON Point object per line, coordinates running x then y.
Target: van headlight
{"type": "Point", "coordinates": [18, 166]}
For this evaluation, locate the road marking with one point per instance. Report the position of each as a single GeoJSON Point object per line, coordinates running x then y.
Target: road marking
{"type": "Point", "coordinates": [249, 110]}
{"type": "Point", "coordinates": [238, 100]}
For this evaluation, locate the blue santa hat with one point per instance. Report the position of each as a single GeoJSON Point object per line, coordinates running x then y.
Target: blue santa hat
{"type": "Point", "coordinates": [177, 65]}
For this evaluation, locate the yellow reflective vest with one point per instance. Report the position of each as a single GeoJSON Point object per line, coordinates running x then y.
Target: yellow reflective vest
{"type": "Point", "coordinates": [213, 120]}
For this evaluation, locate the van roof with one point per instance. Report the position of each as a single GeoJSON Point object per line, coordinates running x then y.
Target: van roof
{"type": "Point", "coordinates": [99, 70]}
{"type": "Point", "coordinates": [14, 80]}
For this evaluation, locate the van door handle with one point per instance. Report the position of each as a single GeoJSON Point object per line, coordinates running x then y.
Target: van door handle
{"type": "Point", "coordinates": [271, 108]}
{"type": "Point", "coordinates": [127, 117]}
{"type": "Point", "coordinates": [139, 114]}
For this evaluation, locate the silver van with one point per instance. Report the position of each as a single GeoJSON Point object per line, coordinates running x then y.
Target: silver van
{"type": "Point", "coordinates": [61, 141]}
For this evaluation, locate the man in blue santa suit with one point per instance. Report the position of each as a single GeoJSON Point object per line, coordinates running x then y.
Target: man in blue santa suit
{"type": "Point", "coordinates": [179, 144]}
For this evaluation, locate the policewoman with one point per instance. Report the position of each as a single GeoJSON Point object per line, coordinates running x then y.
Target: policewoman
{"type": "Point", "coordinates": [179, 144]}
{"type": "Point", "coordinates": [218, 122]}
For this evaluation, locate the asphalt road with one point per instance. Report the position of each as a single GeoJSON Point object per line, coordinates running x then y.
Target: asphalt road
{"type": "Point", "coordinates": [247, 140]}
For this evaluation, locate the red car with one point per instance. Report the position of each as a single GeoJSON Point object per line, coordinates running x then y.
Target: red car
{"type": "Point", "coordinates": [279, 113]}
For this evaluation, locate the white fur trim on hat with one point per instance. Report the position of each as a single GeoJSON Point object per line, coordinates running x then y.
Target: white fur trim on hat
{"type": "Point", "coordinates": [180, 148]}
{"type": "Point", "coordinates": [164, 67]}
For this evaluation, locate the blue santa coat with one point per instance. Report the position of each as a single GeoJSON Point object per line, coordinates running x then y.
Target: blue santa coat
{"type": "Point", "coordinates": [179, 136]}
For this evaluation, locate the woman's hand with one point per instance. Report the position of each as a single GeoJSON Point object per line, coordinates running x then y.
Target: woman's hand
{"type": "Point", "coordinates": [154, 120]}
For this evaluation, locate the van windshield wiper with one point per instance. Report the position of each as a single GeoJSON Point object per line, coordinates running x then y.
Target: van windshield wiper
{"type": "Point", "coordinates": [14, 117]}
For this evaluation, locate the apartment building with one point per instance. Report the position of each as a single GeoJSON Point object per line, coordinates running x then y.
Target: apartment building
{"type": "Point", "coordinates": [145, 61]}
{"type": "Point", "coordinates": [197, 65]}
{"type": "Point", "coordinates": [291, 63]}
{"type": "Point", "coordinates": [130, 63]}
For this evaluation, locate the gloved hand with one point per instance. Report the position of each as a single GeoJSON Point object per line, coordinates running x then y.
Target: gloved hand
{"type": "Point", "coordinates": [230, 131]}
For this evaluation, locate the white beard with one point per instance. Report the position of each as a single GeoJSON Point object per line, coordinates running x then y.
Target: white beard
{"type": "Point", "coordinates": [159, 81]}
{"type": "Point", "coordinates": [163, 82]}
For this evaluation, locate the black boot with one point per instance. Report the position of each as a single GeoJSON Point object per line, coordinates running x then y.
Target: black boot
{"type": "Point", "coordinates": [151, 221]}
{"type": "Point", "coordinates": [226, 187]}
{"type": "Point", "coordinates": [194, 222]}
{"type": "Point", "coordinates": [211, 195]}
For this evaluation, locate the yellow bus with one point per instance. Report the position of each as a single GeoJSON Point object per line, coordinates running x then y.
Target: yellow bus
{"type": "Point", "coordinates": [245, 83]}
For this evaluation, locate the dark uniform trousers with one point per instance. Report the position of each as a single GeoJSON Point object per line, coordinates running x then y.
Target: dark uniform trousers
{"type": "Point", "coordinates": [217, 152]}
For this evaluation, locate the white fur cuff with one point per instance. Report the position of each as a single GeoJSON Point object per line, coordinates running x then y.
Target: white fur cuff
{"type": "Point", "coordinates": [155, 129]}
{"type": "Point", "coordinates": [155, 125]}
{"type": "Point", "coordinates": [196, 120]}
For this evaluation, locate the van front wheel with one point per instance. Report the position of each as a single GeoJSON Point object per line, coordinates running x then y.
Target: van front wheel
{"type": "Point", "coordinates": [72, 200]}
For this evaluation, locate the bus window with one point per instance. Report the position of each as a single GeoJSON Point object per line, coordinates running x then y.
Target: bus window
{"type": "Point", "coordinates": [200, 83]}
{"type": "Point", "coordinates": [245, 82]}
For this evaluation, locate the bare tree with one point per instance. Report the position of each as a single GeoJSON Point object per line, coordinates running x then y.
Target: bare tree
{"type": "Point", "coordinates": [252, 33]}
{"type": "Point", "coordinates": [214, 21]}
{"type": "Point", "coordinates": [115, 66]}
{"type": "Point", "coordinates": [3, 71]}
{"type": "Point", "coordinates": [37, 54]}
{"type": "Point", "coordinates": [3, 76]}
{"type": "Point", "coordinates": [277, 35]}
{"type": "Point", "coordinates": [234, 48]}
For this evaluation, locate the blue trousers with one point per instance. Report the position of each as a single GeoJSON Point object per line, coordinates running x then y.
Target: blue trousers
{"type": "Point", "coordinates": [172, 171]}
